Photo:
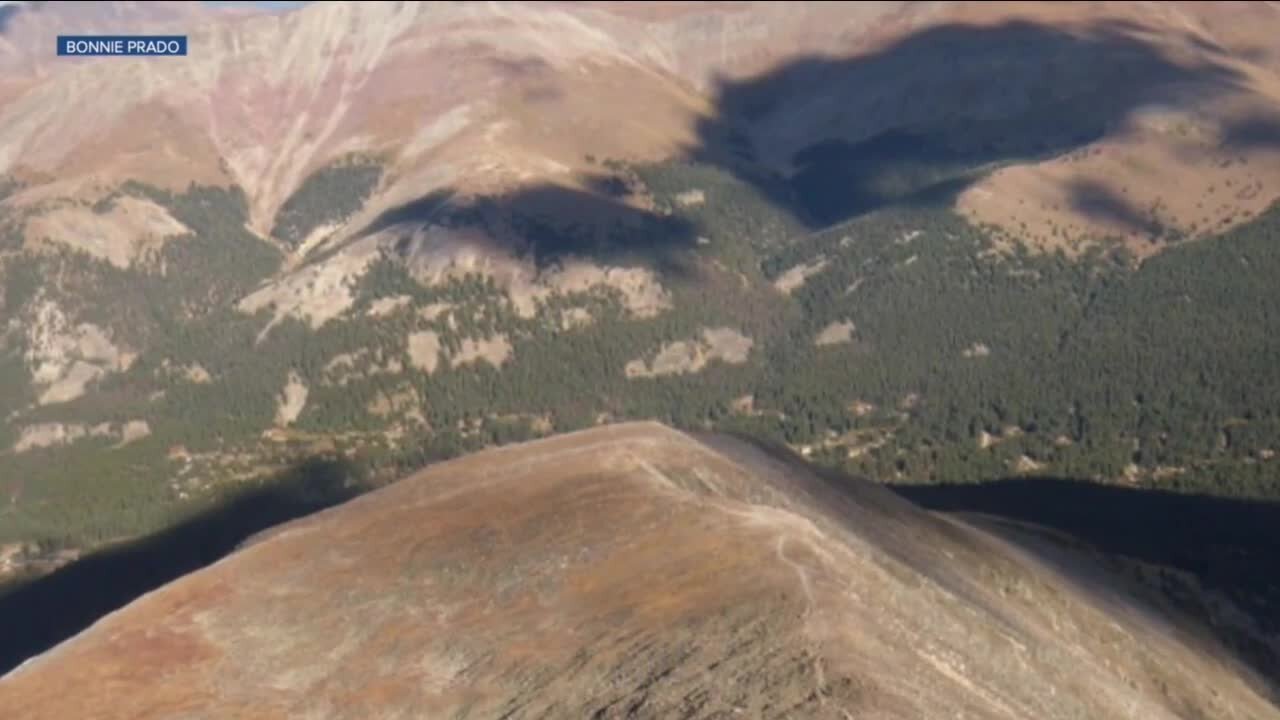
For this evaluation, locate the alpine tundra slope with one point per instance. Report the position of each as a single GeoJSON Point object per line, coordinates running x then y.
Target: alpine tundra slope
{"type": "Point", "coordinates": [635, 571]}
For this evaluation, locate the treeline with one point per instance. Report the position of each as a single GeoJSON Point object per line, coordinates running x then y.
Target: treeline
{"type": "Point", "coordinates": [328, 195]}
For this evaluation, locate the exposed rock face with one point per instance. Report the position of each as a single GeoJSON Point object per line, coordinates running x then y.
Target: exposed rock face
{"type": "Point", "coordinates": [120, 236]}
{"type": "Point", "coordinates": [291, 401]}
{"type": "Point", "coordinates": [691, 356]}
{"type": "Point", "coordinates": [52, 434]}
{"type": "Point", "coordinates": [64, 358]}
{"type": "Point", "coordinates": [835, 333]}
{"type": "Point", "coordinates": [794, 278]}
{"type": "Point", "coordinates": [630, 571]}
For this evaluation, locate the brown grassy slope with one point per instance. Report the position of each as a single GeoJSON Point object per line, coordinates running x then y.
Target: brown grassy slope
{"type": "Point", "coordinates": [629, 571]}
{"type": "Point", "coordinates": [1205, 152]}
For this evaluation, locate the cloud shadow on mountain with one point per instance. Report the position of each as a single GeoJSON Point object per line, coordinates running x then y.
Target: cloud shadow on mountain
{"type": "Point", "coordinates": [914, 123]}
{"type": "Point", "coordinates": [38, 614]}
{"type": "Point", "coordinates": [1254, 132]}
{"type": "Point", "coordinates": [547, 224]}
{"type": "Point", "coordinates": [921, 119]}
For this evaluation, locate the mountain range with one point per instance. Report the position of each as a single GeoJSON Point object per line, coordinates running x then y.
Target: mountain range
{"type": "Point", "coordinates": [1010, 259]}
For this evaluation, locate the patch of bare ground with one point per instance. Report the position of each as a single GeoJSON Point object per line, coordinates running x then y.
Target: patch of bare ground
{"type": "Point", "coordinates": [64, 358]}
{"type": "Point", "coordinates": [130, 230]}
{"type": "Point", "coordinates": [54, 434]}
{"type": "Point", "coordinates": [691, 198]}
{"type": "Point", "coordinates": [346, 367]}
{"type": "Point", "coordinates": [45, 435]}
{"type": "Point", "coordinates": [424, 350]}
{"type": "Point", "coordinates": [641, 293]}
{"type": "Point", "coordinates": [314, 240]}
{"type": "Point", "coordinates": [575, 317]}
{"type": "Point", "coordinates": [861, 408]}
{"type": "Point", "coordinates": [835, 334]}
{"type": "Point", "coordinates": [794, 278]}
{"type": "Point", "coordinates": [197, 374]}
{"type": "Point", "coordinates": [401, 400]}
{"type": "Point", "coordinates": [542, 424]}
{"type": "Point", "coordinates": [316, 293]}
{"type": "Point", "coordinates": [434, 310]}
{"type": "Point", "coordinates": [1026, 465]}
{"type": "Point", "coordinates": [986, 440]}
{"type": "Point", "coordinates": [194, 372]}
{"type": "Point", "coordinates": [387, 305]}
{"type": "Point", "coordinates": [134, 430]}
{"type": "Point", "coordinates": [854, 443]}
{"type": "Point", "coordinates": [495, 350]}
{"type": "Point", "coordinates": [293, 398]}
{"type": "Point", "coordinates": [690, 356]}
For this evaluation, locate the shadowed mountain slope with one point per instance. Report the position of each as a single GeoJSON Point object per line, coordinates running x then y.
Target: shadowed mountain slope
{"type": "Point", "coordinates": [632, 571]}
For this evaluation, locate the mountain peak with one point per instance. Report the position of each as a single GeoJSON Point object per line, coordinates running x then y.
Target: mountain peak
{"type": "Point", "coordinates": [634, 571]}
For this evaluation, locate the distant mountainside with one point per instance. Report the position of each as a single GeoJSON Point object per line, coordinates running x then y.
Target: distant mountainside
{"type": "Point", "coordinates": [1069, 107]}
{"type": "Point", "coordinates": [633, 571]}
{"type": "Point", "coordinates": [926, 243]}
